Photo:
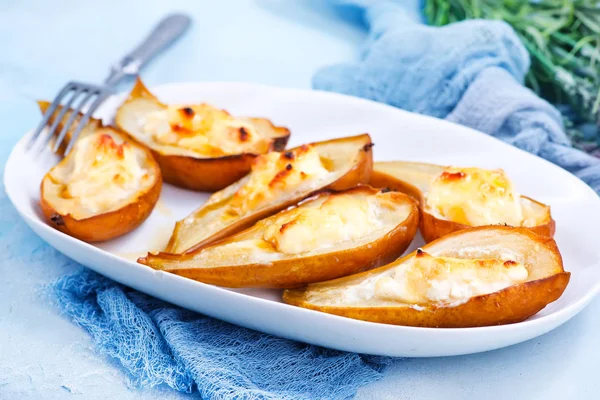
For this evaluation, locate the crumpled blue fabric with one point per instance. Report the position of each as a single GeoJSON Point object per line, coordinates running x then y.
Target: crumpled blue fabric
{"type": "Point", "coordinates": [158, 343]}
{"type": "Point", "coordinates": [470, 73]}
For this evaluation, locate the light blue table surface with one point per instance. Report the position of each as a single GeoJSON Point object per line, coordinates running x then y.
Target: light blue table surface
{"type": "Point", "coordinates": [277, 42]}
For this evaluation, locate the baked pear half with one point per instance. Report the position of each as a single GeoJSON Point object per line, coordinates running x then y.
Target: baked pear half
{"type": "Point", "coordinates": [455, 198]}
{"type": "Point", "coordinates": [276, 180]}
{"type": "Point", "coordinates": [329, 235]}
{"type": "Point", "coordinates": [481, 276]}
{"type": "Point", "coordinates": [105, 187]}
{"type": "Point", "coordinates": [198, 147]}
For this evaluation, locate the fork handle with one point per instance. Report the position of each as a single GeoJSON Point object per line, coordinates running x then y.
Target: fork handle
{"type": "Point", "coordinates": [166, 32]}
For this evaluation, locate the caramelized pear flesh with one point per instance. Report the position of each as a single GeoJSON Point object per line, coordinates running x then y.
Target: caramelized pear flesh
{"type": "Point", "coordinates": [481, 276]}
{"type": "Point", "coordinates": [198, 147]}
{"type": "Point", "coordinates": [329, 235]}
{"type": "Point", "coordinates": [276, 181]}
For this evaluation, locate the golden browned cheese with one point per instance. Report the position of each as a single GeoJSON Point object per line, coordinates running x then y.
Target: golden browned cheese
{"type": "Point", "coordinates": [447, 280]}
{"type": "Point", "coordinates": [101, 175]}
{"type": "Point", "coordinates": [205, 130]}
{"type": "Point", "coordinates": [274, 173]}
{"type": "Point", "coordinates": [475, 197]}
{"type": "Point", "coordinates": [323, 224]}
{"type": "Point", "coordinates": [453, 198]}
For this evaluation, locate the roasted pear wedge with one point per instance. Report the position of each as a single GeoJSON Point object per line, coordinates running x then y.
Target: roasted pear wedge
{"type": "Point", "coordinates": [454, 198]}
{"type": "Point", "coordinates": [326, 236]}
{"type": "Point", "coordinates": [198, 147]}
{"type": "Point", "coordinates": [105, 187]}
{"type": "Point", "coordinates": [482, 276]}
{"type": "Point", "coordinates": [277, 180]}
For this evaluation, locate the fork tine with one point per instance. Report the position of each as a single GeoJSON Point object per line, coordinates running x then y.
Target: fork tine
{"type": "Point", "coordinates": [74, 114]}
{"type": "Point", "coordinates": [58, 119]}
{"type": "Point", "coordinates": [101, 97]}
{"type": "Point", "coordinates": [49, 112]}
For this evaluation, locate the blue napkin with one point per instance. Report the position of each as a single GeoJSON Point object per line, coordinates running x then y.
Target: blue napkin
{"type": "Point", "coordinates": [470, 73]}
{"type": "Point", "coordinates": [158, 343]}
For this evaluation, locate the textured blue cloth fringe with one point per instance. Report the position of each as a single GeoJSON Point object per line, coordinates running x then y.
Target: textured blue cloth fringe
{"type": "Point", "coordinates": [158, 343]}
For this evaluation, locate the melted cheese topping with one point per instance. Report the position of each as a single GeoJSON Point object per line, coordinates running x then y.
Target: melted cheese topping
{"type": "Point", "coordinates": [274, 173]}
{"type": "Point", "coordinates": [205, 130]}
{"type": "Point", "coordinates": [428, 279]}
{"type": "Point", "coordinates": [323, 224]}
{"type": "Point", "coordinates": [475, 197]}
{"type": "Point", "coordinates": [101, 172]}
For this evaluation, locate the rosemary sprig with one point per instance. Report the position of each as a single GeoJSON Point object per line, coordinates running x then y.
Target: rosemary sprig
{"type": "Point", "coordinates": [563, 39]}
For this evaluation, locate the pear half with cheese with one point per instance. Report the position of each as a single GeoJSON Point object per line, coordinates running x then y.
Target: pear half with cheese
{"type": "Point", "coordinates": [481, 276]}
{"type": "Point", "coordinates": [276, 180]}
{"type": "Point", "coordinates": [454, 198]}
{"type": "Point", "coordinates": [198, 147]}
{"type": "Point", "coordinates": [105, 187]}
{"type": "Point", "coordinates": [329, 235]}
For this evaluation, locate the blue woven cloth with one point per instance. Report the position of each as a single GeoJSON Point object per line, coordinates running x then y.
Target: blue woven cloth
{"type": "Point", "coordinates": [469, 73]}
{"type": "Point", "coordinates": [158, 343]}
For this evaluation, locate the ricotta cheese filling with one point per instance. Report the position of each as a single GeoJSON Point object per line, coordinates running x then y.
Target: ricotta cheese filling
{"type": "Point", "coordinates": [475, 197]}
{"type": "Point", "coordinates": [428, 279]}
{"type": "Point", "coordinates": [102, 172]}
{"type": "Point", "coordinates": [203, 129]}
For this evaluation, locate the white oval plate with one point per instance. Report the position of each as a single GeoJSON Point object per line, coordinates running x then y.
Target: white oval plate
{"type": "Point", "coordinates": [313, 116]}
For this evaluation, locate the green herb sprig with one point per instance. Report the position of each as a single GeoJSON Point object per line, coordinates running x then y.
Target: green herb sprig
{"type": "Point", "coordinates": [562, 37]}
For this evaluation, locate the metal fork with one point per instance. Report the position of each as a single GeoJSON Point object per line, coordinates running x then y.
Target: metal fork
{"type": "Point", "coordinates": [166, 32]}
